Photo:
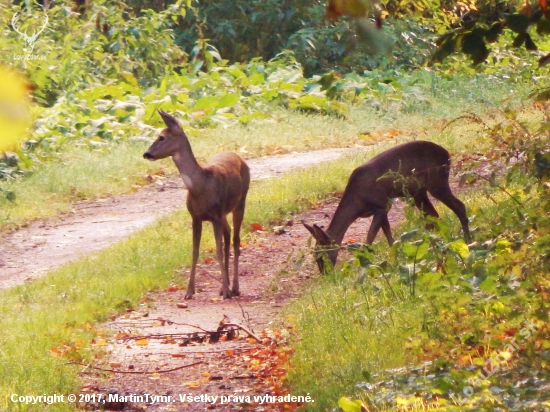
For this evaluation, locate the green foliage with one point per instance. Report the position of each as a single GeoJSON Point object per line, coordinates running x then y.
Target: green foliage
{"type": "Point", "coordinates": [474, 35]}
{"type": "Point", "coordinates": [244, 29]}
{"type": "Point", "coordinates": [481, 308]}
{"type": "Point", "coordinates": [74, 54]}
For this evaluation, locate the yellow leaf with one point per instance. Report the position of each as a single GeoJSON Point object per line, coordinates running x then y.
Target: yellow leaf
{"type": "Point", "coordinates": [14, 108]}
{"type": "Point", "coordinates": [401, 401]}
{"type": "Point", "coordinates": [460, 247]}
{"type": "Point", "coordinates": [142, 342]}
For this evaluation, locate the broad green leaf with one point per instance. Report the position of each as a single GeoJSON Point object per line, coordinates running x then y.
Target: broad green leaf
{"type": "Point", "coordinates": [503, 246]}
{"type": "Point", "coordinates": [408, 235]}
{"type": "Point", "coordinates": [415, 252]}
{"type": "Point", "coordinates": [256, 79]}
{"type": "Point", "coordinates": [237, 73]}
{"type": "Point", "coordinates": [228, 100]}
{"type": "Point", "coordinates": [207, 102]}
{"type": "Point", "coordinates": [431, 279]}
{"type": "Point", "coordinates": [488, 285]}
{"type": "Point", "coordinates": [392, 253]}
{"type": "Point", "coordinates": [130, 79]}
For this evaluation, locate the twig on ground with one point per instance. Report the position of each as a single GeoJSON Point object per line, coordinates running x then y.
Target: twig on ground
{"type": "Point", "coordinates": [134, 372]}
{"type": "Point", "coordinates": [236, 325]}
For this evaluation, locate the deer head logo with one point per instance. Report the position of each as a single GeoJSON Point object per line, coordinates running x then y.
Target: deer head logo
{"type": "Point", "coordinates": [33, 19]}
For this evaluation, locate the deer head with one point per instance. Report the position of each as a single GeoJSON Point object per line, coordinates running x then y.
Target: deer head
{"type": "Point", "coordinates": [169, 140]}
{"type": "Point", "coordinates": [326, 250]}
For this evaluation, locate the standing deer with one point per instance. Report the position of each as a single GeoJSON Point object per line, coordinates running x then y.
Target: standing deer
{"type": "Point", "coordinates": [422, 166]}
{"type": "Point", "coordinates": [215, 190]}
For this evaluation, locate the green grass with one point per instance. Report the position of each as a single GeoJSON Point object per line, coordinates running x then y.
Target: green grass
{"type": "Point", "coordinates": [61, 310]}
{"type": "Point", "coordinates": [346, 332]}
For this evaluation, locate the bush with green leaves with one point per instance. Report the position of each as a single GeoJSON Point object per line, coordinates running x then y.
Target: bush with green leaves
{"type": "Point", "coordinates": [106, 45]}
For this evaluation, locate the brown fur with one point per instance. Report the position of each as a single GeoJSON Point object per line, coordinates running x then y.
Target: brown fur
{"type": "Point", "coordinates": [215, 190]}
{"type": "Point", "coordinates": [423, 168]}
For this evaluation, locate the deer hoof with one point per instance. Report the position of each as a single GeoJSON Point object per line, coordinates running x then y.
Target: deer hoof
{"type": "Point", "coordinates": [235, 292]}
{"type": "Point", "coordinates": [226, 295]}
{"type": "Point", "coordinates": [189, 295]}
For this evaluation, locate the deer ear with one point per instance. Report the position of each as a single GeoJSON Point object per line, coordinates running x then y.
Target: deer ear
{"type": "Point", "coordinates": [170, 121]}
{"type": "Point", "coordinates": [309, 228]}
{"type": "Point", "coordinates": [322, 236]}
{"type": "Point", "coordinates": [319, 234]}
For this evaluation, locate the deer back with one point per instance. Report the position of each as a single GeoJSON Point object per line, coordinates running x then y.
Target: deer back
{"type": "Point", "coordinates": [404, 168]}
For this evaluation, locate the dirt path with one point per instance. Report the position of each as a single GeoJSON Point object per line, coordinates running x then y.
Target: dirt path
{"type": "Point", "coordinates": [91, 226]}
{"type": "Point", "coordinates": [224, 375]}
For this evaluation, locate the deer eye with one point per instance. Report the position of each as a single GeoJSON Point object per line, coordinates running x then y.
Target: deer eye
{"type": "Point", "coordinates": [161, 138]}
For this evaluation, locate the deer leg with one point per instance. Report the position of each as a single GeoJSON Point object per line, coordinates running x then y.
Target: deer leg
{"type": "Point", "coordinates": [226, 244]}
{"type": "Point", "coordinates": [238, 215]}
{"type": "Point", "coordinates": [422, 202]}
{"type": "Point", "coordinates": [197, 232]}
{"type": "Point", "coordinates": [379, 220]}
{"type": "Point", "coordinates": [447, 198]}
{"type": "Point", "coordinates": [218, 233]}
{"type": "Point", "coordinates": [387, 229]}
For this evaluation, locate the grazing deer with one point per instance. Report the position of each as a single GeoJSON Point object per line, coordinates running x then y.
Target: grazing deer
{"type": "Point", "coordinates": [422, 166]}
{"type": "Point", "coordinates": [215, 190]}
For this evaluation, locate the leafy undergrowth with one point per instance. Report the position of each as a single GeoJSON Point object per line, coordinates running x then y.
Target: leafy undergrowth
{"type": "Point", "coordinates": [433, 323]}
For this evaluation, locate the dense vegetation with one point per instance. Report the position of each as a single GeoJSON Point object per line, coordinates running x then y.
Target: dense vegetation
{"type": "Point", "coordinates": [259, 76]}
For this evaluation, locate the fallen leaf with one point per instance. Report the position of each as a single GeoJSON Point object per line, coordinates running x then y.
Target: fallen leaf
{"type": "Point", "coordinates": [257, 227]}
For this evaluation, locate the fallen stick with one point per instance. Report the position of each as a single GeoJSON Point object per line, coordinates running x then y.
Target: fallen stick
{"type": "Point", "coordinates": [133, 372]}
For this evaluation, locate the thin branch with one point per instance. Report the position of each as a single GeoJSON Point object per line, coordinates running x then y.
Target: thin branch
{"type": "Point", "coordinates": [499, 187]}
{"type": "Point", "coordinates": [236, 325]}
{"type": "Point", "coordinates": [134, 372]}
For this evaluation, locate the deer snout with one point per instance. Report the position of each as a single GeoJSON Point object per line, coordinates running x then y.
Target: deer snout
{"type": "Point", "coordinates": [148, 156]}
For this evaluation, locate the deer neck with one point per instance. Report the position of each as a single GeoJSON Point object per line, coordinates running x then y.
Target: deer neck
{"type": "Point", "coordinates": [190, 170]}
{"type": "Point", "coordinates": [341, 221]}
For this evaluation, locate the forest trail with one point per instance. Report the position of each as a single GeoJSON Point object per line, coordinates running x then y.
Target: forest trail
{"type": "Point", "coordinates": [91, 226]}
